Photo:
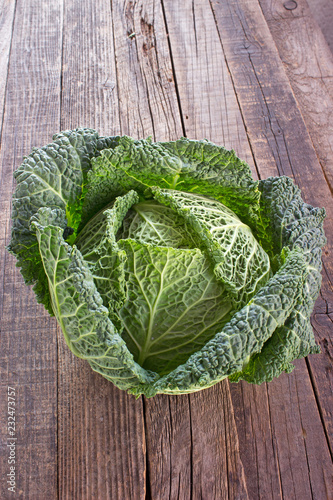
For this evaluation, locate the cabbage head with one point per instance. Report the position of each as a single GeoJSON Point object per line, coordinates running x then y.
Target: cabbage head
{"type": "Point", "coordinates": [166, 265]}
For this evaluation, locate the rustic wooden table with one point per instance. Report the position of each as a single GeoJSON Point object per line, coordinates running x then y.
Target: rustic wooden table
{"type": "Point", "coordinates": [253, 75]}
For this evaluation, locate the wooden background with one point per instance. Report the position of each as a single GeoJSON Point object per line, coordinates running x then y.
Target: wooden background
{"type": "Point", "coordinates": [253, 75]}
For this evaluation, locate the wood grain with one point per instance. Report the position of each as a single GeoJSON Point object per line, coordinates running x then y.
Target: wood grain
{"type": "Point", "coordinates": [100, 429]}
{"type": "Point", "coordinates": [302, 452]}
{"type": "Point", "coordinates": [169, 447]}
{"type": "Point", "coordinates": [311, 76]}
{"type": "Point", "coordinates": [310, 72]}
{"type": "Point", "coordinates": [193, 448]}
{"type": "Point", "coordinates": [101, 436]}
{"type": "Point", "coordinates": [7, 13]}
{"type": "Point", "coordinates": [322, 12]}
{"type": "Point", "coordinates": [252, 57]}
{"type": "Point", "coordinates": [208, 101]}
{"type": "Point", "coordinates": [89, 94]}
{"type": "Point", "coordinates": [147, 96]}
{"type": "Point", "coordinates": [28, 334]}
{"type": "Point", "coordinates": [256, 440]}
{"type": "Point", "coordinates": [217, 466]}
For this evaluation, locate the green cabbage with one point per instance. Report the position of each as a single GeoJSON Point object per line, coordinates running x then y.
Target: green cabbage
{"type": "Point", "coordinates": [167, 266]}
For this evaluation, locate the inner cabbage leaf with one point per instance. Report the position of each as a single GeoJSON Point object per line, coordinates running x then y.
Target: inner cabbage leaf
{"type": "Point", "coordinates": [173, 274]}
{"type": "Point", "coordinates": [174, 304]}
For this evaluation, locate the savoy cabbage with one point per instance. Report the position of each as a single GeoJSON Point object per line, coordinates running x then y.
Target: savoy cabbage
{"type": "Point", "coordinates": [167, 266]}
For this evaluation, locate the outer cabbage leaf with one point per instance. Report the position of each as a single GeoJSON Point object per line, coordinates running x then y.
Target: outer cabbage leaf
{"type": "Point", "coordinates": [192, 166]}
{"type": "Point", "coordinates": [295, 225]}
{"type": "Point", "coordinates": [51, 176]}
{"type": "Point", "coordinates": [101, 251]}
{"type": "Point", "coordinates": [78, 306]}
{"type": "Point", "coordinates": [292, 340]}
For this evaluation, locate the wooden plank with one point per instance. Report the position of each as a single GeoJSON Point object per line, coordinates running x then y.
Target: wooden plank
{"type": "Point", "coordinates": [311, 76]}
{"type": "Point", "coordinates": [186, 450]}
{"type": "Point", "coordinates": [169, 447]}
{"type": "Point", "coordinates": [7, 12]}
{"type": "Point", "coordinates": [101, 435]}
{"type": "Point", "coordinates": [217, 466]}
{"type": "Point", "coordinates": [89, 96]}
{"type": "Point", "coordinates": [322, 11]}
{"type": "Point", "coordinates": [256, 440]}
{"type": "Point", "coordinates": [208, 100]}
{"type": "Point", "coordinates": [28, 355]}
{"type": "Point", "coordinates": [252, 58]}
{"type": "Point", "coordinates": [258, 459]}
{"type": "Point", "coordinates": [250, 50]}
{"type": "Point", "coordinates": [147, 98]}
{"type": "Point", "coordinates": [310, 71]}
{"type": "Point", "coordinates": [320, 367]}
{"type": "Point", "coordinates": [296, 427]}
{"type": "Point", "coordinates": [193, 448]}
{"type": "Point", "coordinates": [101, 429]}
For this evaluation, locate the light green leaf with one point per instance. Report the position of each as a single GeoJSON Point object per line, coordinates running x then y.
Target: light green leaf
{"type": "Point", "coordinates": [174, 304]}
{"type": "Point", "coordinates": [151, 222]}
{"type": "Point", "coordinates": [239, 261]}
{"type": "Point", "coordinates": [79, 309]}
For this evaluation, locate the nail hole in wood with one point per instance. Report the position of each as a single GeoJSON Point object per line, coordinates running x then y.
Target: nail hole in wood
{"type": "Point", "coordinates": [290, 5]}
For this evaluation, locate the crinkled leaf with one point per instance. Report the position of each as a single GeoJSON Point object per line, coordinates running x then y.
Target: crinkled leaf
{"type": "Point", "coordinates": [296, 225]}
{"type": "Point", "coordinates": [284, 215]}
{"type": "Point", "coordinates": [242, 337]}
{"type": "Point", "coordinates": [51, 176]}
{"type": "Point", "coordinates": [151, 222]}
{"type": "Point", "coordinates": [192, 166]}
{"type": "Point", "coordinates": [240, 262]}
{"type": "Point", "coordinates": [174, 304]}
{"type": "Point", "coordinates": [97, 243]}
{"type": "Point", "coordinates": [79, 309]}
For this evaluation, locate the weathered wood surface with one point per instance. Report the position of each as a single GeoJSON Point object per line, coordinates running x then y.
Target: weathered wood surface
{"type": "Point", "coordinates": [322, 12]}
{"type": "Point", "coordinates": [6, 29]}
{"type": "Point", "coordinates": [311, 78]}
{"type": "Point", "coordinates": [253, 64]}
{"type": "Point", "coordinates": [28, 360]}
{"type": "Point", "coordinates": [165, 69]}
{"type": "Point", "coordinates": [310, 72]}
